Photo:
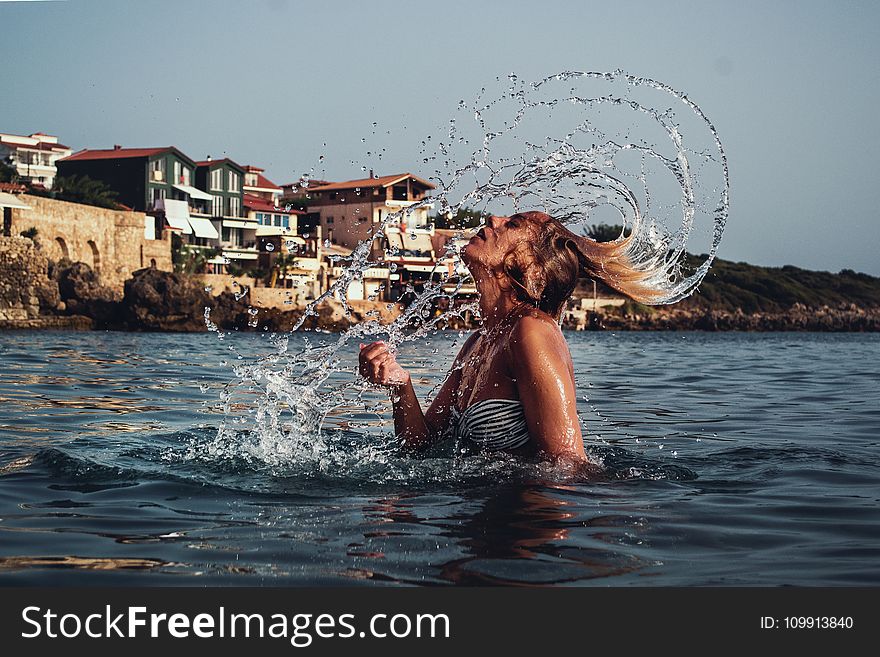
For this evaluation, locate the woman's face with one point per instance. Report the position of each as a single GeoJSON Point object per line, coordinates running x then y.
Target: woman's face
{"type": "Point", "coordinates": [498, 238]}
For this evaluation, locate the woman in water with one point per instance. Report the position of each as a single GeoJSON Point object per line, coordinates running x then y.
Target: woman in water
{"type": "Point", "coordinates": [512, 385]}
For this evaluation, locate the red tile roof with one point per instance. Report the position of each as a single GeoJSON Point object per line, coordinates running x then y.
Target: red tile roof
{"type": "Point", "coordinates": [382, 181]}
{"type": "Point", "coordinates": [40, 146]}
{"type": "Point", "coordinates": [312, 183]}
{"type": "Point", "coordinates": [114, 153]}
{"type": "Point", "coordinates": [262, 205]}
{"type": "Point", "coordinates": [262, 181]}
{"type": "Point", "coordinates": [207, 163]}
{"type": "Point", "coordinates": [52, 147]}
{"type": "Point", "coordinates": [16, 188]}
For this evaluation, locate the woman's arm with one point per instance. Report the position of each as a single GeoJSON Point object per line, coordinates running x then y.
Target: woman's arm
{"type": "Point", "coordinates": [541, 365]}
{"type": "Point", "coordinates": [417, 429]}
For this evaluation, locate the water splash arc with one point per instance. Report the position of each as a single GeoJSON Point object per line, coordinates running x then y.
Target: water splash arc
{"type": "Point", "coordinates": [585, 147]}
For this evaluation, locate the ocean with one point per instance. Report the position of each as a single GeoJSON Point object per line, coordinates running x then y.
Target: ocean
{"type": "Point", "coordinates": [729, 459]}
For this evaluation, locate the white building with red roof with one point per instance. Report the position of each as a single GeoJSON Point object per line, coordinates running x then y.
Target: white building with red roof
{"type": "Point", "coordinates": [350, 211]}
{"type": "Point", "coordinates": [256, 184]}
{"type": "Point", "coordinates": [33, 156]}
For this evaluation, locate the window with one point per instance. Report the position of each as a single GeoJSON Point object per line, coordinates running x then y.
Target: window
{"type": "Point", "coordinates": [157, 170]}
{"type": "Point", "coordinates": [232, 179]}
{"type": "Point", "coordinates": [156, 193]}
{"type": "Point", "coordinates": [181, 174]}
{"type": "Point", "coordinates": [217, 206]}
{"type": "Point", "coordinates": [330, 220]}
{"type": "Point", "coordinates": [217, 180]}
{"type": "Point", "coordinates": [278, 220]}
{"type": "Point", "coordinates": [259, 217]}
{"type": "Point", "coordinates": [234, 206]}
{"type": "Point", "coordinates": [285, 221]}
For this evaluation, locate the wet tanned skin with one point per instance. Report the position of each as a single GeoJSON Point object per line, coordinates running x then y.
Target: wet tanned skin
{"type": "Point", "coordinates": [521, 354]}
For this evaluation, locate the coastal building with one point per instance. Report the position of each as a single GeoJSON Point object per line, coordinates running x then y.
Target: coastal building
{"type": "Point", "coordinates": [223, 181]}
{"type": "Point", "coordinates": [256, 184]}
{"type": "Point", "coordinates": [269, 218]}
{"type": "Point", "coordinates": [296, 262]}
{"type": "Point", "coordinates": [33, 157]}
{"type": "Point", "coordinates": [373, 284]}
{"type": "Point", "coordinates": [299, 190]}
{"type": "Point", "coordinates": [140, 176]}
{"type": "Point", "coordinates": [350, 211]}
{"type": "Point", "coordinates": [157, 181]}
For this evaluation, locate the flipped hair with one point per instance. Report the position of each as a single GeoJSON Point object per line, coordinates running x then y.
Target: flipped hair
{"type": "Point", "coordinates": [545, 270]}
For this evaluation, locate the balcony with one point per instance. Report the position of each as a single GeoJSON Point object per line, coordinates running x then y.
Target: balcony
{"type": "Point", "coordinates": [247, 251]}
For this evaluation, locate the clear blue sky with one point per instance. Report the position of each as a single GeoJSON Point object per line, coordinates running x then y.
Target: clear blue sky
{"type": "Point", "coordinates": [792, 86]}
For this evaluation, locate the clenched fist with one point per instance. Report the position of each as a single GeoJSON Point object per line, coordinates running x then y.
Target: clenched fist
{"type": "Point", "coordinates": [378, 365]}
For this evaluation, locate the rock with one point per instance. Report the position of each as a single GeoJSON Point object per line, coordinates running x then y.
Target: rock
{"type": "Point", "coordinates": [81, 291]}
{"type": "Point", "coordinates": [157, 300]}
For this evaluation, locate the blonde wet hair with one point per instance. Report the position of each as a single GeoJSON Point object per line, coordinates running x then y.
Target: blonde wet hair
{"type": "Point", "coordinates": [545, 270]}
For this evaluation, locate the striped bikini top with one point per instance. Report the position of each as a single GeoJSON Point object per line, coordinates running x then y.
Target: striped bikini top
{"type": "Point", "coordinates": [491, 424]}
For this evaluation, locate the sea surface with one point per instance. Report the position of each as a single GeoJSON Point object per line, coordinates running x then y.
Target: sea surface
{"type": "Point", "coordinates": [729, 459]}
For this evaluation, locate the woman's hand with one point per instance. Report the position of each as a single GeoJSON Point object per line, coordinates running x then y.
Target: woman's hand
{"type": "Point", "coordinates": [378, 365]}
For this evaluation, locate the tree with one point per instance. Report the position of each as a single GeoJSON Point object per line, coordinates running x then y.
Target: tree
{"type": "Point", "coordinates": [188, 260]}
{"type": "Point", "coordinates": [605, 232]}
{"type": "Point", "coordinates": [463, 218]}
{"type": "Point", "coordinates": [283, 263]}
{"type": "Point", "coordinates": [82, 189]}
{"type": "Point", "coordinates": [8, 173]}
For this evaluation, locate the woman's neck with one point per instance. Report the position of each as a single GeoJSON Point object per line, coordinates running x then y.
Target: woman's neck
{"type": "Point", "coordinates": [496, 304]}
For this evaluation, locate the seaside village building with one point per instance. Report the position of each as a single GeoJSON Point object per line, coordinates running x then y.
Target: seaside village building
{"type": "Point", "coordinates": [349, 212]}
{"type": "Point", "coordinates": [157, 181]}
{"type": "Point", "coordinates": [202, 201]}
{"type": "Point", "coordinates": [245, 223]}
{"type": "Point", "coordinates": [235, 242]}
{"type": "Point", "coordinates": [114, 242]}
{"type": "Point", "coordinates": [33, 157]}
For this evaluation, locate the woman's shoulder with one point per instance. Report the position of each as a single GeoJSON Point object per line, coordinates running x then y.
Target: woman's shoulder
{"type": "Point", "coordinates": [466, 347]}
{"type": "Point", "coordinates": [535, 328]}
{"type": "Point", "coordinates": [535, 321]}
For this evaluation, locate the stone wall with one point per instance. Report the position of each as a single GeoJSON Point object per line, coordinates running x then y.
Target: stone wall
{"type": "Point", "coordinates": [259, 296]}
{"type": "Point", "coordinates": [23, 280]}
{"type": "Point", "coordinates": [111, 242]}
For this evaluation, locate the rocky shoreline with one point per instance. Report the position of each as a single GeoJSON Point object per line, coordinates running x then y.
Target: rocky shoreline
{"type": "Point", "coordinates": [70, 296]}
{"type": "Point", "coordinates": [847, 318]}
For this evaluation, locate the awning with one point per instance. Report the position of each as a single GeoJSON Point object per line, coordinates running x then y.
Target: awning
{"type": "Point", "coordinates": [422, 242]}
{"type": "Point", "coordinates": [232, 223]}
{"type": "Point", "coordinates": [193, 192]}
{"type": "Point", "coordinates": [176, 214]}
{"type": "Point", "coordinates": [269, 231]}
{"type": "Point", "coordinates": [394, 241]}
{"type": "Point", "coordinates": [204, 228]}
{"type": "Point", "coordinates": [10, 201]}
{"type": "Point", "coordinates": [241, 255]}
{"type": "Point", "coordinates": [420, 268]}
